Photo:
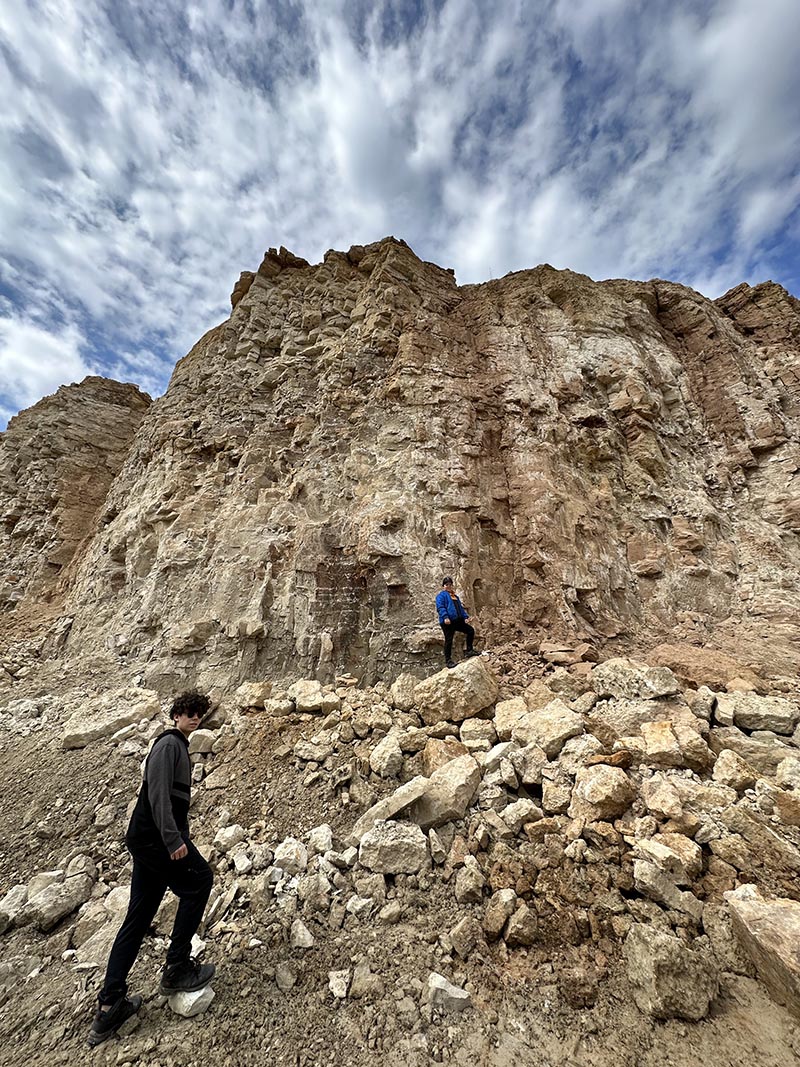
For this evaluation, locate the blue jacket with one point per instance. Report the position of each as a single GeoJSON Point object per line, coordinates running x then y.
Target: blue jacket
{"type": "Point", "coordinates": [449, 609]}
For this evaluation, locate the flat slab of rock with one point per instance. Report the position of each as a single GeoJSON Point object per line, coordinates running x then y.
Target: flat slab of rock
{"type": "Point", "coordinates": [769, 933]}
{"type": "Point", "coordinates": [103, 716]}
{"type": "Point", "coordinates": [56, 901]}
{"type": "Point", "coordinates": [394, 848]}
{"type": "Point", "coordinates": [749, 711]}
{"type": "Point", "coordinates": [448, 793]}
{"type": "Point", "coordinates": [388, 807]}
{"type": "Point", "coordinates": [669, 979]}
{"type": "Point", "coordinates": [458, 694]}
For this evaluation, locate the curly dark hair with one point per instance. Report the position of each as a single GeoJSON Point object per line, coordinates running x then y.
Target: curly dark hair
{"type": "Point", "coordinates": [189, 703]}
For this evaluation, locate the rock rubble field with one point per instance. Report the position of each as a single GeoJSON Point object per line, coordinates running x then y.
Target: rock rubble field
{"type": "Point", "coordinates": [595, 864]}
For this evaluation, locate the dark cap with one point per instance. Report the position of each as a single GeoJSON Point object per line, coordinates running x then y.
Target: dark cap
{"type": "Point", "coordinates": [447, 580]}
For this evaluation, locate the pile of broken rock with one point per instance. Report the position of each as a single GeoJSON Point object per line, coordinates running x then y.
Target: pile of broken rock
{"type": "Point", "coordinates": [611, 809]}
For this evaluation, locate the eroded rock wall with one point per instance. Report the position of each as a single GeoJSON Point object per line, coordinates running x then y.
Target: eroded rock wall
{"type": "Point", "coordinates": [57, 461]}
{"type": "Point", "coordinates": [615, 460]}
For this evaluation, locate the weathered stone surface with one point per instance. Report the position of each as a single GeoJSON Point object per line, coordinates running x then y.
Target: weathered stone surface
{"type": "Point", "coordinates": [749, 711]}
{"type": "Point", "coordinates": [201, 741]}
{"type": "Point", "coordinates": [386, 759]}
{"type": "Point", "coordinates": [601, 792]}
{"type": "Point", "coordinates": [402, 691]}
{"type": "Point", "coordinates": [501, 906]}
{"type": "Point", "coordinates": [633, 680]}
{"type": "Point", "coordinates": [522, 927]}
{"type": "Point", "coordinates": [674, 854]}
{"type": "Point", "coordinates": [458, 694]}
{"type": "Point", "coordinates": [56, 901]}
{"type": "Point", "coordinates": [788, 773]}
{"type": "Point", "coordinates": [669, 979]}
{"type": "Point", "coordinates": [548, 727]}
{"type": "Point", "coordinates": [769, 933]}
{"type": "Point", "coordinates": [652, 881]}
{"type": "Point", "coordinates": [443, 996]}
{"type": "Point", "coordinates": [730, 769]}
{"type": "Point", "coordinates": [469, 882]}
{"type": "Point", "coordinates": [300, 936]}
{"type": "Point", "coordinates": [438, 752]}
{"type": "Point", "coordinates": [465, 935]}
{"type": "Point", "coordinates": [103, 716]}
{"type": "Point", "coordinates": [394, 848]}
{"type": "Point", "coordinates": [508, 713]}
{"type": "Point", "coordinates": [252, 694]}
{"type": "Point", "coordinates": [448, 793]}
{"type": "Point", "coordinates": [763, 756]}
{"type": "Point", "coordinates": [307, 694]}
{"type": "Point", "coordinates": [398, 801]}
{"type": "Point", "coordinates": [702, 666]}
{"type": "Point", "coordinates": [190, 1004]}
{"type": "Point", "coordinates": [291, 856]}
{"type": "Point", "coordinates": [11, 906]}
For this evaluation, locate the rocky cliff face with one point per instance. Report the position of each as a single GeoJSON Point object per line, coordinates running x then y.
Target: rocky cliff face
{"type": "Point", "coordinates": [57, 461]}
{"type": "Point", "coordinates": [613, 461]}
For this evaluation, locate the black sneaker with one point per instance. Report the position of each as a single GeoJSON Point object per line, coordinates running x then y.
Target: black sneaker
{"type": "Point", "coordinates": [106, 1023]}
{"type": "Point", "coordinates": [471, 652]}
{"type": "Point", "coordinates": [449, 663]}
{"type": "Point", "coordinates": [186, 977]}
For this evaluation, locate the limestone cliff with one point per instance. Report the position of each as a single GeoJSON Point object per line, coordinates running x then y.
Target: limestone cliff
{"type": "Point", "coordinates": [615, 460]}
{"type": "Point", "coordinates": [57, 461]}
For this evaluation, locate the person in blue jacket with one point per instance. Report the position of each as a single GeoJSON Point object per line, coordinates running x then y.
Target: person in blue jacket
{"type": "Point", "coordinates": [453, 616]}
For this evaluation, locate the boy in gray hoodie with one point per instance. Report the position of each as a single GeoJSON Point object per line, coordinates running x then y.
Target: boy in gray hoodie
{"type": "Point", "coordinates": [164, 858]}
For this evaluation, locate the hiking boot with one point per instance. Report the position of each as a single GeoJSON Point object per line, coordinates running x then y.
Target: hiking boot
{"type": "Point", "coordinates": [186, 977]}
{"type": "Point", "coordinates": [449, 663]}
{"type": "Point", "coordinates": [106, 1023]}
{"type": "Point", "coordinates": [471, 652]}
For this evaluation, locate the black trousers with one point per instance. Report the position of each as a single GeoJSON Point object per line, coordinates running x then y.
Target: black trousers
{"type": "Point", "coordinates": [462, 627]}
{"type": "Point", "coordinates": [190, 879]}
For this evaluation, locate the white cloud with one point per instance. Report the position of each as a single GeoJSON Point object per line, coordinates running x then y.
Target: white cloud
{"type": "Point", "coordinates": [36, 361]}
{"type": "Point", "coordinates": [148, 154]}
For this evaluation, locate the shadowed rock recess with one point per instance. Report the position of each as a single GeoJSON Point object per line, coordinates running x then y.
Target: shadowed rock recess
{"type": "Point", "coordinates": [613, 460]}
{"type": "Point", "coordinates": [580, 847]}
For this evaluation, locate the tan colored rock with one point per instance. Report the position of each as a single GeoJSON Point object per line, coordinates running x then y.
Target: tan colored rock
{"type": "Point", "coordinates": [601, 792]}
{"type": "Point", "coordinates": [307, 694]}
{"type": "Point", "coordinates": [398, 801]}
{"type": "Point", "coordinates": [439, 752]}
{"type": "Point", "coordinates": [549, 727]}
{"type": "Point", "coordinates": [632, 680]}
{"type": "Point", "coordinates": [763, 756]}
{"type": "Point", "coordinates": [458, 694]}
{"type": "Point", "coordinates": [670, 979]}
{"type": "Point", "coordinates": [508, 713]}
{"type": "Point", "coordinates": [731, 770]}
{"type": "Point", "coordinates": [103, 716]}
{"type": "Point", "coordinates": [252, 694]}
{"type": "Point", "coordinates": [402, 691]}
{"type": "Point", "coordinates": [680, 858]}
{"type": "Point", "coordinates": [702, 666]}
{"type": "Point", "coordinates": [448, 793]}
{"type": "Point", "coordinates": [661, 745]}
{"type": "Point", "coordinates": [393, 848]}
{"type": "Point", "coordinates": [522, 927]}
{"type": "Point", "coordinates": [769, 933]}
{"type": "Point", "coordinates": [749, 711]}
{"type": "Point", "coordinates": [386, 758]}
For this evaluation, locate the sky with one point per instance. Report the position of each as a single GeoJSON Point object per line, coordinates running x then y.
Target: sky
{"type": "Point", "coordinates": [151, 151]}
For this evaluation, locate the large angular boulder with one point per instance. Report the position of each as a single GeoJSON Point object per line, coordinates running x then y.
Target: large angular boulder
{"type": "Point", "coordinates": [448, 794]}
{"type": "Point", "coordinates": [549, 727]}
{"type": "Point", "coordinates": [401, 693]}
{"type": "Point", "coordinates": [457, 694]}
{"type": "Point", "coordinates": [401, 799]}
{"type": "Point", "coordinates": [628, 678]}
{"type": "Point", "coordinates": [103, 716]}
{"type": "Point", "coordinates": [307, 694]}
{"type": "Point", "coordinates": [769, 933]}
{"type": "Point", "coordinates": [601, 793]}
{"type": "Point", "coordinates": [508, 713]}
{"type": "Point", "coordinates": [394, 848]}
{"type": "Point", "coordinates": [669, 979]}
{"type": "Point", "coordinates": [749, 711]}
{"type": "Point", "coordinates": [52, 904]}
{"type": "Point", "coordinates": [763, 756]}
{"type": "Point", "coordinates": [702, 666]}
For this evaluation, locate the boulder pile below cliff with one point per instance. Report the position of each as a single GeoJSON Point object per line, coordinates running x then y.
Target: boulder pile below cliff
{"type": "Point", "coordinates": [461, 865]}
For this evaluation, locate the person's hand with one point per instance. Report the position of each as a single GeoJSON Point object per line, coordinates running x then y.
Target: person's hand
{"type": "Point", "coordinates": [446, 622]}
{"type": "Point", "coordinates": [179, 853]}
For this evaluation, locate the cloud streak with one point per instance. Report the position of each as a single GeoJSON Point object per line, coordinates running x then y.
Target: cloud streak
{"type": "Point", "coordinates": [150, 153]}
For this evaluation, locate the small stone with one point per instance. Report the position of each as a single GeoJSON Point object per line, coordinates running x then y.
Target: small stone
{"type": "Point", "coordinates": [228, 837]}
{"type": "Point", "coordinates": [500, 908]}
{"type": "Point", "coordinates": [300, 936]}
{"type": "Point", "coordinates": [390, 913]}
{"type": "Point", "coordinates": [469, 882]}
{"type": "Point", "coordinates": [731, 770]}
{"type": "Point", "coordinates": [291, 856]}
{"type": "Point", "coordinates": [307, 695]}
{"type": "Point", "coordinates": [465, 935]}
{"type": "Point", "coordinates": [201, 741]}
{"type": "Point", "coordinates": [386, 759]}
{"type": "Point", "coordinates": [443, 995]}
{"type": "Point", "coordinates": [601, 792]}
{"type": "Point", "coordinates": [190, 1004]}
{"type": "Point", "coordinates": [338, 983]}
{"type": "Point", "coordinates": [522, 927]}
{"type": "Point", "coordinates": [285, 977]}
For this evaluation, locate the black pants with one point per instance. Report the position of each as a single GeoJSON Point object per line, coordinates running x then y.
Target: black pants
{"type": "Point", "coordinates": [154, 872]}
{"type": "Point", "coordinates": [462, 627]}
